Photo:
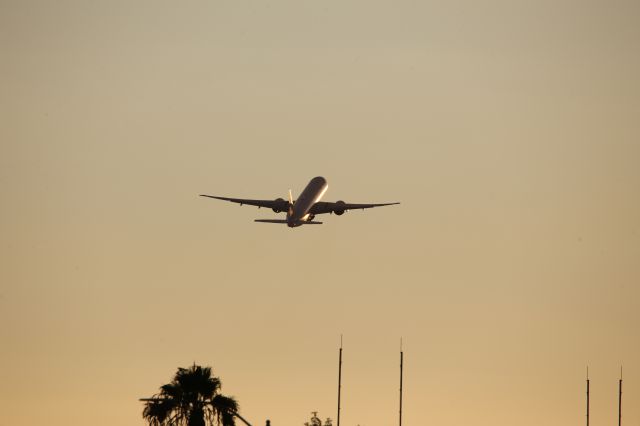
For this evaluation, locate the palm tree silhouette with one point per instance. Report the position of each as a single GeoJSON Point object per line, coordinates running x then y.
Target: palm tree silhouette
{"type": "Point", "coordinates": [191, 399]}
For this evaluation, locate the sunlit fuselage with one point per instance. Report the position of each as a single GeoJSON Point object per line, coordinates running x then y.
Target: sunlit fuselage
{"type": "Point", "coordinates": [299, 212]}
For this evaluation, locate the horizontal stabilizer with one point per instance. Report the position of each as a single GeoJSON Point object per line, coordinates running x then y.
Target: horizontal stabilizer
{"type": "Point", "coordinates": [304, 222]}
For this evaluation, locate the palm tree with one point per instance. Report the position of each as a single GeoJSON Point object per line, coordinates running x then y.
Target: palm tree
{"type": "Point", "coordinates": [191, 399]}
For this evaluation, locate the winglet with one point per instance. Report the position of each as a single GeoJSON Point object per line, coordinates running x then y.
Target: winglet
{"type": "Point", "coordinates": [290, 198]}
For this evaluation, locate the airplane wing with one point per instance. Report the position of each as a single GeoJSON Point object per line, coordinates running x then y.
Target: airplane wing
{"type": "Point", "coordinates": [279, 204]}
{"type": "Point", "coordinates": [340, 207]}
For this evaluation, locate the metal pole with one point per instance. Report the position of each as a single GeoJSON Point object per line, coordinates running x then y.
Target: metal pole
{"type": "Point", "coordinates": [587, 396]}
{"type": "Point", "coordinates": [339, 379]}
{"type": "Point", "coordinates": [620, 399]}
{"type": "Point", "coordinates": [235, 413]}
{"type": "Point", "coordinates": [401, 365]}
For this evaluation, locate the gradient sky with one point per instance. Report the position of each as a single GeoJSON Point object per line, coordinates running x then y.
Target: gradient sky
{"type": "Point", "coordinates": [509, 130]}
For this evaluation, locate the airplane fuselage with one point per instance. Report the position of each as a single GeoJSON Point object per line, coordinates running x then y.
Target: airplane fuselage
{"type": "Point", "coordinates": [299, 212]}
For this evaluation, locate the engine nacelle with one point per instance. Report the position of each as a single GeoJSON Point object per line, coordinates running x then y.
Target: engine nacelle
{"type": "Point", "coordinates": [279, 201]}
{"type": "Point", "coordinates": [339, 211]}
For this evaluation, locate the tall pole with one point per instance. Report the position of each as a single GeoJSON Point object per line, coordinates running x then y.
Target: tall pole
{"type": "Point", "coordinates": [620, 399]}
{"type": "Point", "coordinates": [401, 365]}
{"type": "Point", "coordinates": [587, 395]}
{"type": "Point", "coordinates": [339, 378]}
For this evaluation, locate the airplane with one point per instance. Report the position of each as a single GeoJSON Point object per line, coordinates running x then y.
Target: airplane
{"type": "Point", "coordinates": [303, 210]}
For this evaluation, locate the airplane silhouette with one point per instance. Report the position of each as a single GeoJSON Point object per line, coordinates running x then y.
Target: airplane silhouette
{"type": "Point", "coordinates": [303, 210]}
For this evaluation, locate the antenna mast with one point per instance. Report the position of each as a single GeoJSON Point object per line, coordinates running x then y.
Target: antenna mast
{"type": "Point", "coordinates": [401, 365]}
{"type": "Point", "coordinates": [587, 395]}
{"type": "Point", "coordinates": [620, 399]}
{"type": "Point", "coordinates": [339, 379]}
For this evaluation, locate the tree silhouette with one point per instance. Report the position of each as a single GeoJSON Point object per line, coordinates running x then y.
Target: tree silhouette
{"type": "Point", "coordinates": [315, 420]}
{"type": "Point", "coordinates": [191, 399]}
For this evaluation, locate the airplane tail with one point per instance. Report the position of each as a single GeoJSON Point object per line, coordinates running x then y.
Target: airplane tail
{"type": "Point", "coordinates": [290, 209]}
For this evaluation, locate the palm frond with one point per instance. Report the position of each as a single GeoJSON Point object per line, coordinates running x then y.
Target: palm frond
{"type": "Point", "coordinates": [197, 382]}
{"type": "Point", "coordinates": [225, 408]}
{"type": "Point", "coordinates": [158, 411]}
{"type": "Point", "coordinates": [226, 404]}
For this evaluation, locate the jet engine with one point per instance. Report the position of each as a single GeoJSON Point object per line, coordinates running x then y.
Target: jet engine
{"type": "Point", "coordinates": [279, 201]}
{"type": "Point", "coordinates": [339, 211]}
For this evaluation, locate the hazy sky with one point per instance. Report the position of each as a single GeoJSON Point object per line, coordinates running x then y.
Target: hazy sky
{"type": "Point", "coordinates": [509, 130]}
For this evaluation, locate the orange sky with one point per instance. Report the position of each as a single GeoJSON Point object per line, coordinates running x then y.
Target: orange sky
{"type": "Point", "coordinates": [509, 130]}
